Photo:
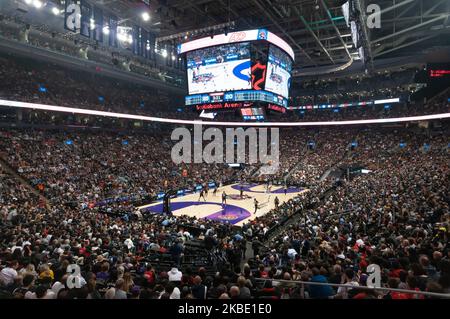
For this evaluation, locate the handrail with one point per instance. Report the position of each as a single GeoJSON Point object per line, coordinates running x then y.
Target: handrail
{"type": "Point", "coordinates": [413, 292]}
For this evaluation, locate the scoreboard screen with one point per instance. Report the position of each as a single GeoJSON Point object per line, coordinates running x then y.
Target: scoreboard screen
{"type": "Point", "coordinates": [220, 68]}
{"type": "Point", "coordinates": [236, 96]}
{"type": "Point", "coordinates": [279, 68]}
{"type": "Point", "coordinates": [231, 70]}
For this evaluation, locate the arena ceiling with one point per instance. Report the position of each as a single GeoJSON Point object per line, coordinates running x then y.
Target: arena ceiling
{"type": "Point", "coordinates": [316, 29]}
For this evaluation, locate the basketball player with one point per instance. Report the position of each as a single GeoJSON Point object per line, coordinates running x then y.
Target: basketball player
{"type": "Point", "coordinates": [242, 192]}
{"type": "Point", "coordinates": [277, 202]}
{"type": "Point", "coordinates": [224, 198]}
{"type": "Point", "coordinates": [285, 189]}
{"type": "Point", "coordinates": [215, 191]}
{"type": "Point", "coordinates": [206, 190]}
{"type": "Point", "coordinates": [202, 195]}
{"type": "Point", "coordinates": [256, 205]}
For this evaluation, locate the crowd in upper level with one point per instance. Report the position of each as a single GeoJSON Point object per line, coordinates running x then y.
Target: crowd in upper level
{"type": "Point", "coordinates": [29, 81]}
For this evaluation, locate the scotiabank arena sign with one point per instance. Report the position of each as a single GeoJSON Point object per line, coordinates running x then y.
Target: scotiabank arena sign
{"type": "Point", "coordinates": [222, 106]}
{"type": "Point", "coordinates": [276, 108]}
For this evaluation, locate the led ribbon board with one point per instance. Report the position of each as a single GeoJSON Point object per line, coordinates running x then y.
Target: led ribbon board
{"type": "Point", "coordinates": [43, 107]}
{"type": "Point", "coordinates": [236, 96]}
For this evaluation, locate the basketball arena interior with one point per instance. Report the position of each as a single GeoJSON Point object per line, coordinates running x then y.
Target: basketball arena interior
{"type": "Point", "coordinates": [249, 151]}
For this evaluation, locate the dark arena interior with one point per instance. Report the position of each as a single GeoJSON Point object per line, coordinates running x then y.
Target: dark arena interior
{"type": "Point", "coordinates": [218, 149]}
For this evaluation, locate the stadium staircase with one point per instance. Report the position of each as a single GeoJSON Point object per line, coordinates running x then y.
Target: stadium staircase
{"type": "Point", "coordinates": [325, 175]}
{"type": "Point", "coordinates": [298, 164]}
{"type": "Point", "coordinates": [300, 216]}
{"type": "Point", "coordinates": [195, 256]}
{"type": "Point", "coordinates": [255, 171]}
{"type": "Point", "coordinates": [429, 93]}
{"type": "Point", "coordinates": [443, 93]}
{"type": "Point", "coordinates": [10, 170]}
{"type": "Point", "coordinates": [334, 170]}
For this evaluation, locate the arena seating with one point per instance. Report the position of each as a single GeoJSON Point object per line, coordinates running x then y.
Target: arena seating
{"type": "Point", "coordinates": [332, 232]}
{"type": "Point", "coordinates": [71, 188]}
{"type": "Point", "coordinates": [30, 81]}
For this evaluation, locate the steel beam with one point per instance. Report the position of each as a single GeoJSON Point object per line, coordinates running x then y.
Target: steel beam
{"type": "Point", "coordinates": [269, 16]}
{"type": "Point", "coordinates": [405, 11]}
{"type": "Point", "coordinates": [442, 16]}
{"type": "Point", "coordinates": [412, 18]}
{"type": "Point", "coordinates": [405, 45]}
{"type": "Point", "coordinates": [393, 7]}
{"type": "Point", "coordinates": [324, 5]}
{"type": "Point", "coordinates": [434, 7]}
{"type": "Point", "coordinates": [316, 38]}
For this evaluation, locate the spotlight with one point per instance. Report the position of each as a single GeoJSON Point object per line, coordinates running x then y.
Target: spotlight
{"type": "Point", "coordinates": [37, 4]}
{"type": "Point", "coordinates": [92, 24]}
{"type": "Point", "coordinates": [106, 30]}
{"type": "Point", "coordinates": [121, 37]}
{"type": "Point", "coordinates": [145, 16]}
{"type": "Point", "coordinates": [173, 58]}
{"type": "Point", "coordinates": [28, 1]}
{"type": "Point", "coordinates": [164, 53]}
{"type": "Point", "coordinates": [55, 11]}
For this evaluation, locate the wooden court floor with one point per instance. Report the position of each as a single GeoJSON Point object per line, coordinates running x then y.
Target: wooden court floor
{"type": "Point", "coordinates": [237, 210]}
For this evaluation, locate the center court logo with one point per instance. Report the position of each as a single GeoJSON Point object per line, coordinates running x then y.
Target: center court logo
{"type": "Point", "coordinates": [190, 149]}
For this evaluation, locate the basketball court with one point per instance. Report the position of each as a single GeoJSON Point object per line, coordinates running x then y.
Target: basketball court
{"type": "Point", "coordinates": [236, 211]}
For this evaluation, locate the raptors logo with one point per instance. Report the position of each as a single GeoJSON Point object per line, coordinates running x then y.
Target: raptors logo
{"type": "Point", "coordinates": [237, 37]}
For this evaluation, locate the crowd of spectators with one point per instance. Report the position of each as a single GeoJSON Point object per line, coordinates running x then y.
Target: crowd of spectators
{"type": "Point", "coordinates": [366, 85]}
{"type": "Point", "coordinates": [79, 167]}
{"type": "Point", "coordinates": [326, 235]}
{"type": "Point", "coordinates": [29, 81]}
{"type": "Point", "coordinates": [372, 111]}
{"type": "Point", "coordinates": [395, 216]}
{"type": "Point", "coordinates": [40, 36]}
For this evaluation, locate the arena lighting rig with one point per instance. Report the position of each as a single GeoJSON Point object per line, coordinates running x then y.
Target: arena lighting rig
{"type": "Point", "coordinates": [53, 108]}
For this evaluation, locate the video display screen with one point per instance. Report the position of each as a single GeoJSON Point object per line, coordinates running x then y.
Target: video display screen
{"type": "Point", "coordinates": [279, 68]}
{"type": "Point", "coordinates": [236, 96]}
{"type": "Point", "coordinates": [219, 68]}
{"type": "Point", "coordinates": [252, 114]}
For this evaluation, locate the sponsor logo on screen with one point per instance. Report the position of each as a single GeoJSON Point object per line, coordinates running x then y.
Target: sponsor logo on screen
{"type": "Point", "coordinates": [237, 37]}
